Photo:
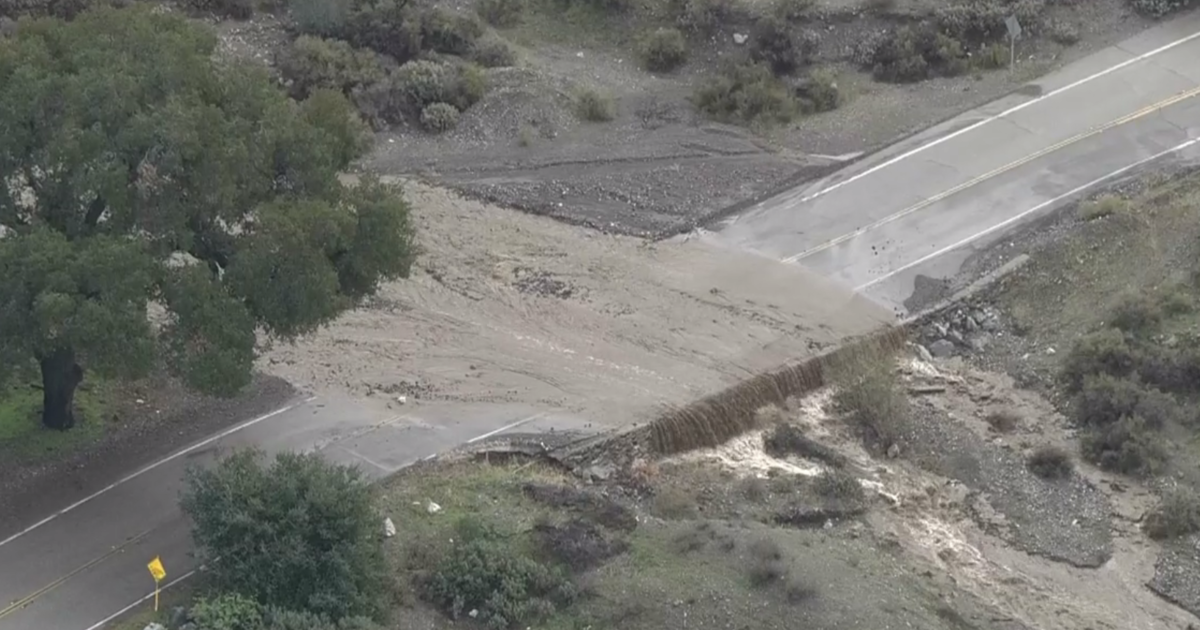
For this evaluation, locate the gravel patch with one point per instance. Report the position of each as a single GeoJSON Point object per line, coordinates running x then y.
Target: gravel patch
{"type": "Point", "coordinates": [1065, 520]}
{"type": "Point", "coordinates": [1177, 574]}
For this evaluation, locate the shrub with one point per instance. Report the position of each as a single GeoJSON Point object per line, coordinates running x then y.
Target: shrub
{"type": "Point", "coordinates": [325, 18]}
{"type": "Point", "coordinates": [312, 63]}
{"type": "Point", "coordinates": [449, 32]}
{"type": "Point", "coordinates": [236, 9]}
{"type": "Point", "coordinates": [1172, 369]}
{"type": "Point", "coordinates": [227, 612]}
{"type": "Point", "coordinates": [1159, 8]}
{"type": "Point", "coordinates": [1105, 399]}
{"type": "Point", "coordinates": [973, 22]}
{"type": "Point", "coordinates": [492, 52]}
{"type": "Point", "coordinates": [755, 489]}
{"type": "Point", "coordinates": [423, 83]}
{"type": "Point", "coordinates": [1126, 446]}
{"type": "Point", "coordinates": [300, 534]}
{"type": "Point", "coordinates": [992, 57]}
{"type": "Point", "coordinates": [1136, 313]}
{"type": "Point", "coordinates": [773, 43]}
{"type": "Point", "coordinates": [746, 94]}
{"type": "Point", "coordinates": [486, 572]}
{"type": "Point", "coordinates": [663, 50]}
{"type": "Point", "coordinates": [501, 13]}
{"type": "Point", "coordinates": [911, 54]}
{"type": "Point", "coordinates": [767, 565]}
{"type": "Point", "coordinates": [388, 27]}
{"type": "Point", "coordinates": [1003, 420]}
{"type": "Point", "coordinates": [1103, 352]}
{"type": "Point", "coordinates": [439, 117]}
{"type": "Point", "coordinates": [839, 485]}
{"type": "Point", "coordinates": [1050, 462]}
{"type": "Point", "coordinates": [1177, 514]}
{"type": "Point", "coordinates": [819, 92]}
{"type": "Point", "coordinates": [1062, 32]}
{"type": "Point", "coordinates": [593, 106]}
{"type": "Point", "coordinates": [1101, 207]}
{"type": "Point", "coordinates": [705, 17]}
{"type": "Point", "coordinates": [868, 390]}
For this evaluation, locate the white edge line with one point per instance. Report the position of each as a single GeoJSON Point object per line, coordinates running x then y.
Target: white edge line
{"type": "Point", "coordinates": [506, 427]}
{"type": "Point", "coordinates": [130, 477]}
{"type": "Point", "coordinates": [143, 600]}
{"type": "Point", "coordinates": [1022, 215]}
{"type": "Point", "coordinates": [1012, 110]}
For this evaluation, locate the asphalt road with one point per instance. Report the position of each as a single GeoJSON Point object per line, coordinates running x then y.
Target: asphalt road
{"type": "Point", "coordinates": [78, 569]}
{"type": "Point", "coordinates": [925, 205]}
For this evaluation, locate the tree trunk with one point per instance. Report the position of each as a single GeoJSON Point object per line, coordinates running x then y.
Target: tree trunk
{"type": "Point", "coordinates": [60, 376]}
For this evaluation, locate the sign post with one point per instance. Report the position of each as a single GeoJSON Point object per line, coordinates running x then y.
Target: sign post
{"type": "Point", "coordinates": [158, 573]}
{"type": "Point", "coordinates": [1014, 32]}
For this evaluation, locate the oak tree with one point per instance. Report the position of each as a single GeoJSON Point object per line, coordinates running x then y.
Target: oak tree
{"type": "Point", "coordinates": [162, 205]}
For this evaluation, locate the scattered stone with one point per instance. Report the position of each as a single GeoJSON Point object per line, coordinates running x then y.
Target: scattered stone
{"type": "Point", "coordinates": [942, 348]}
{"type": "Point", "coordinates": [433, 508]}
{"type": "Point", "coordinates": [154, 626]}
{"type": "Point", "coordinates": [923, 353]}
{"type": "Point", "coordinates": [599, 472]}
{"type": "Point", "coordinates": [893, 451]}
{"type": "Point", "coordinates": [389, 528]}
{"type": "Point", "coordinates": [740, 38]}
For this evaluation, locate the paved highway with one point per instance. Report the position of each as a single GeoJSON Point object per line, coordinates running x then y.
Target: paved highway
{"type": "Point", "coordinates": [923, 206]}
{"type": "Point", "coordinates": [917, 208]}
{"type": "Point", "coordinates": [77, 569]}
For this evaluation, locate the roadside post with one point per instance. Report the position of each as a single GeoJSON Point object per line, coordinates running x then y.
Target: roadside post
{"type": "Point", "coordinates": [158, 573]}
{"type": "Point", "coordinates": [1014, 32]}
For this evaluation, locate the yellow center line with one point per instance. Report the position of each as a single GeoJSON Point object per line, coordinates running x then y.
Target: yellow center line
{"type": "Point", "coordinates": [29, 599]}
{"type": "Point", "coordinates": [1145, 111]}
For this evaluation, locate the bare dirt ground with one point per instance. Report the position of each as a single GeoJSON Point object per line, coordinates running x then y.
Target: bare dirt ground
{"type": "Point", "coordinates": [658, 167]}
{"type": "Point", "coordinates": [512, 307]}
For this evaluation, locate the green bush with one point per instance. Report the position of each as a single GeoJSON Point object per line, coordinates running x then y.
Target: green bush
{"type": "Point", "coordinates": [486, 572]}
{"type": "Point", "coordinates": [1062, 32]}
{"type": "Point", "coordinates": [746, 94]}
{"type": "Point", "coordinates": [389, 27]}
{"type": "Point", "coordinates": [867, 388]}
{"type": "Point", "coordinates": [1136, 313]}
{"type": "Point", "coordinates": [1102, 352]}
{"type": "Point", "coordinates": [972, 21]}
{"type": "Point", "coordinates": [767, 564]}
{"type": "Point", "coordinates": [299, 533]}
{"type": "Point", "coordinates": [839, 485]}
{"type": "Point", "coordinates": [236, 9]}
{"type": "Point", "coordinates": [663, 50]}
{"type": "Point", "coordinates": [911, 54]}
{"type": "Point", "coordinates": [326, 18]}
{"type": "Point", "coordinates": [227, 612]}
{"type": "Point", "coordinates": [1050, 462]}
{"type": "Point", "coordinates": [439, 117]}
{"type": "Point", "coordinates": [1177, 514]}
{"type": "Point", "coordinates": [312, 63]}
{"type": "Point", "coordinates": [501, 13]}
{"type": "Point", "coordinates": [1101, 207]}
{"type": "Point", "coordinates": [773, 42]}
{"type": "Point", "coordinates": [449, 32]}
{"type": "Point", "coordinates": [1105, 399]}
{"type": "Point", "coordinates": [819, 92]}
{"type": "Point", "coordinates": [419, 84]}
{"type": "Point", "coordinates": [1127, 446]}
{"type": "Point", "coordinates": [593, 106]}
{"type": "Point", "coordinates": [705, 17]}
{"type": "Point", "coordinates": [1159, 8]}
{"type": "Point", "coordinates": [490, 51]}
{"type": "Point", "coordinates": [62, 9]}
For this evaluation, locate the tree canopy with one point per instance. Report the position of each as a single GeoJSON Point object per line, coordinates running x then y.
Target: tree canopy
{"type": "Point", "coordinates": [145, 174]}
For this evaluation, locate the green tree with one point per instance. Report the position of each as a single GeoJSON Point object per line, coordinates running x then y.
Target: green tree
{"type": "Point", "coordinates": [143, 174]}
{"type": "Point", "coordinates": [299, 534]}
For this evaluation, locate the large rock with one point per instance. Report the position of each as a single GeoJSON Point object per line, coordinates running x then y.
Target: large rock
{"type": "Point", "coordinates": [942, 348]}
